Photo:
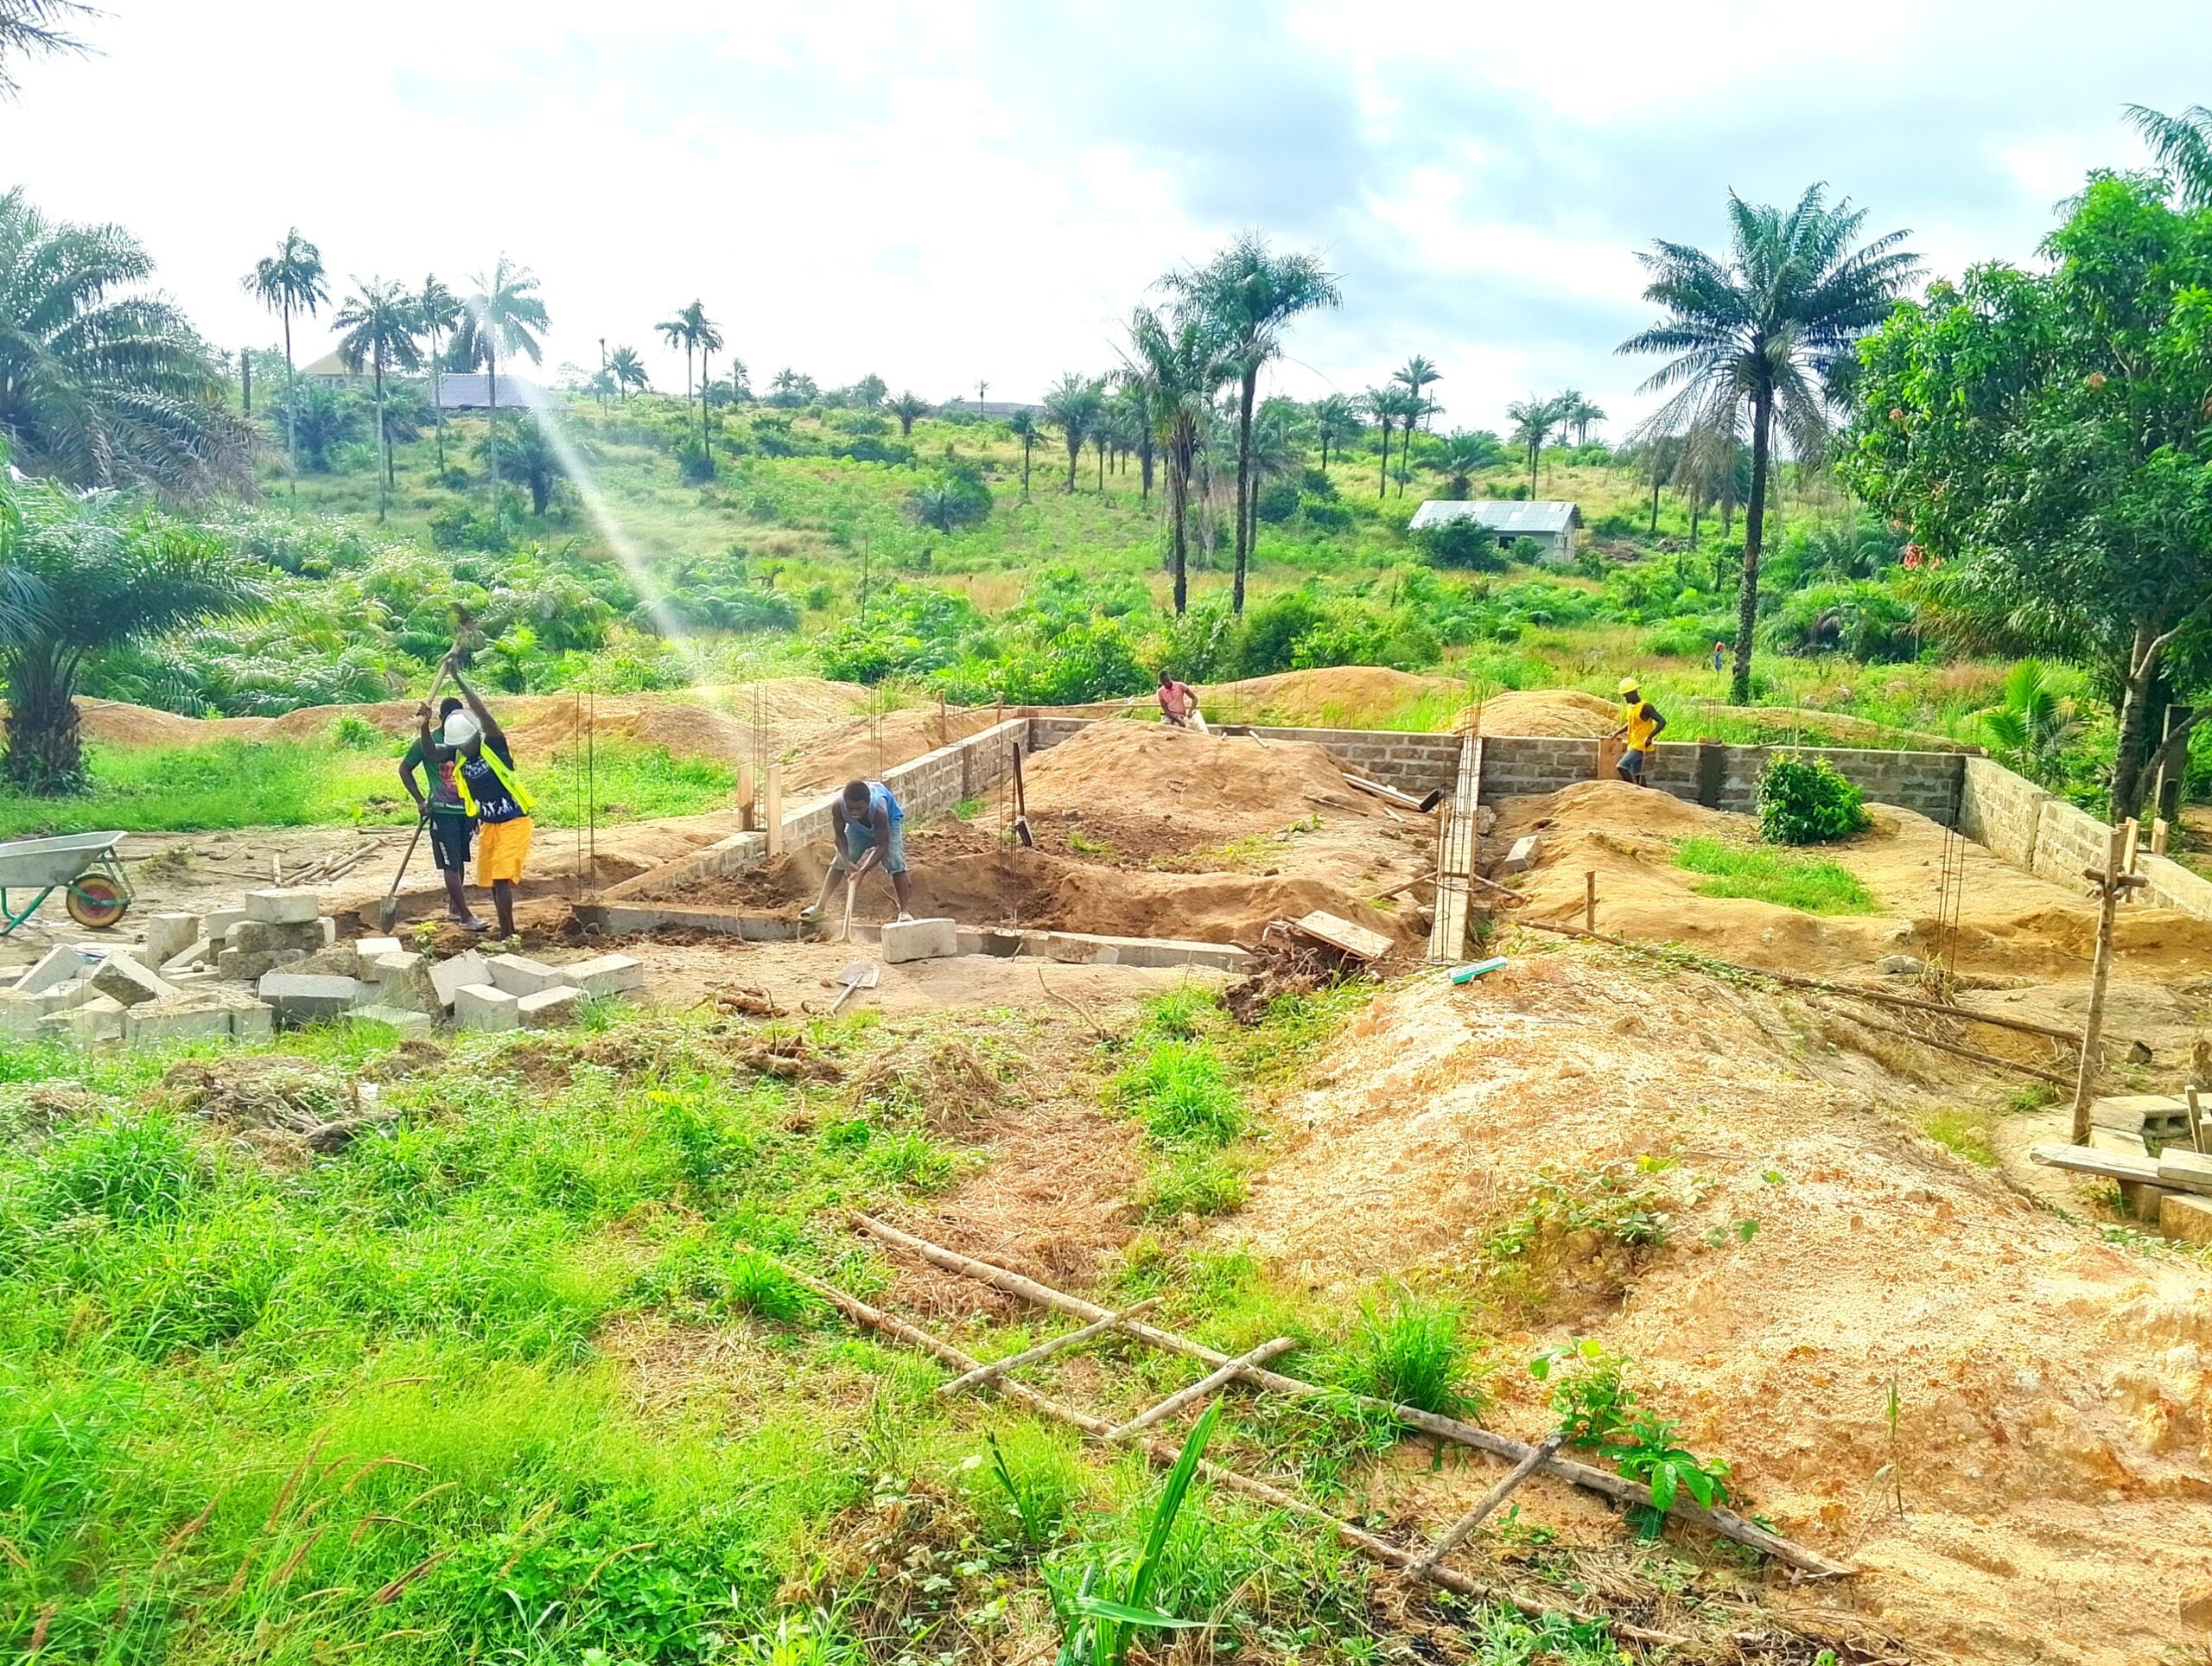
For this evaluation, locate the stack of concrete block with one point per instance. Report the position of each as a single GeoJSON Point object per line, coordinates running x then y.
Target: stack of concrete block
{"type": "Point", "coordinates": [61, 980]}
{"type": "Point", "coordinates": [519, 993]}
{"type": "Point", "coordinates": [118, 998]}
{"type": "Point", "coordinates": [281, 927]}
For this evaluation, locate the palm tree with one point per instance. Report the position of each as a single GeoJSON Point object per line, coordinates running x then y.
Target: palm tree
{"type": "Point", "coordinates": [1023, 426]}
{"type": "Point", "coordinates": [1137, 414]}
{"type": "Point", "coordinates": [2036, 725]}
{"type": "Point", "coordinates": [908, 408]}
{"type": "Point", "coordinates": [1577, 413]}
{"type": "Point", "coordinates": [504, 315]}
{"type": "Point", "coordinates": [627, 370]}
{"type": "Point", "coordinates": [1413, 411]}
{"type": "Point", "coordinates": [1767, 328]}
{"type": "Point", "coordinates": [1415, 375]}
{"type": "Point", "coordinates": [100, 387]}
{"type": "Point", "coordinates": [28, 28]}
{"type": "Point", "coordinates": [529, 451]}
{"type": "Point", "coordinates": [438, 312]}
{"type": "Point", "coordinates": [1462, 455]}
{"type": "Point", "coordinates": [118, 576]}
{"type": "Point", "coordinates": [1534, 419]}
{"type": "Point", "coordinates": [288, 281]}
{"type": "Point", "coordinates": [677, 332]}
{"type": "Point", "coordinates": [1383, 405]}
{"type": "Point", "coordinates": [1176, 365]}
{"type": "Point", "coordinates": [696, 329]}
{"type": "Point", "coordinates": [1336, 419]}
{"type": "Point", "coordinates": [2182, 146]}
{"type": "Point", "coordinates": [1072, 405]}
{"type": "Point", "coordinates": [378, 325]}
{"type": "Point", "coordinates": [1246, 296]}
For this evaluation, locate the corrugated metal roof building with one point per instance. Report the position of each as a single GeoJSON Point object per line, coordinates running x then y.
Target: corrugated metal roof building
{"type": "Point", "coordinates": [469, 390]}
{"type": "Point", "coordinates": [1551, 524]}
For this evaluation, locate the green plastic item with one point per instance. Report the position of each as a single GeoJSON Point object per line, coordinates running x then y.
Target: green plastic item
{"type": "Point", "coordinates": [1468, 973]}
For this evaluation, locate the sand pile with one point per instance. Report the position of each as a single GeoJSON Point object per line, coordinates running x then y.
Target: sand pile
{"type": "Point", "coordinates": [1566, 712]}
{"type": "Point", "coordinates": [860, 748]}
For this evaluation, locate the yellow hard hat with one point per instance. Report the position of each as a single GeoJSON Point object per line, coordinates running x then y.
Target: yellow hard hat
{"type": "Point", "coordinates": [1629, 685]}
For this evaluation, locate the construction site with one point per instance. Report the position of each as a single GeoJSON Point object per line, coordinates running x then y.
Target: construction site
{"type": "Point", "coordinates": [1958, 1360]}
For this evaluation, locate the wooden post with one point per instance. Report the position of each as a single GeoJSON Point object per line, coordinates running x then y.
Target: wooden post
{"type": "Point", "coordinates": [2108, 884]}
{"type": "Point", "coordinates": [748, 804]}
{"type": "Point", "coordinates": [2161, 832]}
{"type": "Point", "coordinates": [1590, 900]}
{"type": "Point", "coordinates": [773, 811]}
{"type": "Point", "coordinates": [944, 724]}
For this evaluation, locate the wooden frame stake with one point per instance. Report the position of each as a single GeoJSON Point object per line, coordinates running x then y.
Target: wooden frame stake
{"type": "Point", "coordinates": [1046, 1349]}
{"type": "Point", "coordinates": [1204, 1387]}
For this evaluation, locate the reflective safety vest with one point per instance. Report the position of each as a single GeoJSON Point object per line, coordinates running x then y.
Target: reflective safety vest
{"type": "Point", "coordinates": [507, 779]}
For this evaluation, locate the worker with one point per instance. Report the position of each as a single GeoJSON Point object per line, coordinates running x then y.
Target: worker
{"type": "Point", "coordinates": [483, 775]}
{"type": "Point", "coordinates": [1719, 655]}
{"type": "Point", "coordinates": [870, 831]}
{"type": "Point", "coordinates": [452, 827]}
{"type": "Point", "coordinates": [1178, 703]}
{"type": "Point", "coordinates": [1641, 724]}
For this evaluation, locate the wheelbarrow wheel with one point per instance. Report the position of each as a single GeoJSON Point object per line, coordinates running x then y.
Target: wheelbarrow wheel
{"type": "Point", "coordinates": [96, 901]}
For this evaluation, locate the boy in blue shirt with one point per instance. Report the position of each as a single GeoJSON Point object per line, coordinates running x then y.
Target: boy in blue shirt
{"type": "Point", "coordinates": [870, 830]}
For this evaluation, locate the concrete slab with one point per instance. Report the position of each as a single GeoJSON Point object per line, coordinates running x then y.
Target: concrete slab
{"type": "Point", "coordinates": [620, 918]}
{"type": "Point", "coordinates": [167, 935]}
{"type": "Point", "coordinates": [99, 1019]}
{"type": "Point", "coordinates": [128, 982]}
{"type": "Point", "coordinates": [406, 982]}
{"type": "Point", "coordinates": [399, 1018]}
{"type": "Point", "coordinates": [919, 939]}
{"type": "Point", "coordinates": [248, 966]}
{"type": "Point", "coordinates": [2184, 1169]}
{"type": "Point", "coordinates": [216, 921]}
{"type": "Point", "coordinates": [550, 1007]}
{"type": "Point", "coordinates": [260, 936]}
{"type": "Point", "coordinates": [484, 1007]}
{"type": "Point", "coordinates": [452, 976]}
{"type": "Point", "coordinates": [1521, 857]}
{"type": "Point", "coordinates": [520, 975]}
{"type": "Point", "coordinates": [158, 1023]}
{"type": "Point", "coordinates": [2187, 1218]}
{"type": "Point", "coordinates": [606, 975]}
{"type": "Point", "coordinates": [307, 997]}
{"type": "Point", "coordinates": [60, 964]}
{"type": "Point", "coordinates": [292, 906]}
{"type": "Point", "coordinates": [373, 949]}
{"type": "Point", "coordinates": [200, 951]}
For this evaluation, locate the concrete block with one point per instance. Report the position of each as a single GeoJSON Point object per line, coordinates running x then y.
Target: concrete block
{"type": "Point", "coordinates": [99, 1019]}
{"type": "Point", "coordinates": [606, 975]}
{"type": "Point", "coordinates": [328, 927]}
{"type": "Point", "coordinates": [248, 966]}
{"type": "Point", "coordinates": [452, 976]}
{"type": "Point", "coordinates": [200, 951]}
{"type": "Point", "coordinates": [339, 960]}
{"type": "Point", "coordinates": [1520, 858]}
{"type": "Point", "coordinates": [306, 997]}
{"type": "Point", "coordinates": [128, 982]}
{"type": "Point", "coordinates": [167, 935]}
{"type": "Point", "coordinates": [373, 949]}
{"type": "Point", "coordinates": [293, 906]}
{"type": "Point", "coordinates": [2143, 1199]}
{"type": "Point", "coordinates": [484, 1007]}
{"type": "Point", "coordinates": [60, 964]}
{"type": "Point", "coordinates": [919, 939]}
{"type": "Point", "coordinates": [2187, 1218]}
{"type": "Point", "coordinates": [406, 982]}
{"type": "Point", "coordinates": [260, 936]}
{"type": "Point", "coordinates": [520, 975]}
{"type": "Point", "coordinates": [216, 921]}
{"type": "Point", "coordinates": [548, 1007]}
{"type": "Point", "coordinates": [399, 1018]}
{"type": "Point", "coordinates": [157, 1022]}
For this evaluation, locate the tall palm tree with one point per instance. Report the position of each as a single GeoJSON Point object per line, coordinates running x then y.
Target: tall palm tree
{"type": "Point", "coordinates": [31, 29]}
{"type": "Point", "coordinates": [1577, 413]}
{"type": "Point", "coordinates": [437, 311]}
{"type": "Point", "coordinates": [1413, 411]}
{"type": "Point", "coordinates": [100, 387]}
{"type": "Point", "coordinates": [1415, 375]}
{"type": "Point", "coordinates": [1072, 405]}
{"type": "Point", "coordinates": [1767, 328]}
{"type": "Point", "coordinates": [290, 281]}
{"type": "Point", "coordinates": [1023, 426]}
{"type": "Point", "coordinates": [700, 332]}
{"type": "Point", "coordinates": [1534, 419]}
{"type": "Point", "coordinates": [2182, 146]}
{"type": "Point", "coordinates": [628, 370]}
{"type": "Point", "coordinates": [505, 315]}
{"type": "Point", "coordinates": [378, 325]}
{"type": "Point", "coordinates": [1382, 404]}
{"type": "Point", "coordinates": [1137, 430]}
{"type": "Point", "coordinates": [1178, 366]}
{"type": "Point", "coordinates": [1336, 419]}
{"type": "Point", "coordinates": [677, 332]}
{"type": "Point", "coordinates": [1246, 296]}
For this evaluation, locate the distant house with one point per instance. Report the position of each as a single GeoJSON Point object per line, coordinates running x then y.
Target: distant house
{"type": "Point", "coordinates": [989, 408]}
{"type": "Point", "coordinates": [472, 390]}
{"type": "Point", "coordinates": [1551, 524]}
{"type": "Point", "coordinates": [331, 368]}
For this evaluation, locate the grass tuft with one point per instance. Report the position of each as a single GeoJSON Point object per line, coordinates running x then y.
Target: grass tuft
{"type": "Point", "coordinates": [1410, 1350]}
{"type": "Point", "coordinates": [1811, 885]}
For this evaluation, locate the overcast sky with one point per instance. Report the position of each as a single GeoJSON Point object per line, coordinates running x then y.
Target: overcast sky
{"type": "Point", "coordinates": [964, 189]}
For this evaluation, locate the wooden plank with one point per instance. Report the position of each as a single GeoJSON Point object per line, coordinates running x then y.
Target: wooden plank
{"type": "Point", "coordinates": [1340, 933]}
{"type": "Point", "coordinates": [1046, 1349]}
{"type": "Point", "coordinates": [1202, 1388]}
{"type": "Point", "coordinates": [2106, 1165]}
{"type": "Point", "coordinates": [1389, 794]}
{"type": "Point", "coordinates": [2186, 1171]}
{"type": "Point", "coordinates": [1455, 1534]}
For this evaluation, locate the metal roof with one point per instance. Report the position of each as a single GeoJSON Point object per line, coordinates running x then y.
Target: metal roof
{"type": "Point", "coordinates": [469, 391]}
{"type": "Point", "coordinates": [1505, 516]}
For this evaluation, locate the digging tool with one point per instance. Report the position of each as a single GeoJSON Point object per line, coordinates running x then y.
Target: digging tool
{"type": "Point", "coordinates": [1021, 804]}
{"type": "Point", "coordinates": [860, 975]}
{"type": "Point", "coordinates": [852, 897]}
{"type": "Point", "coordinates": [388, 910]}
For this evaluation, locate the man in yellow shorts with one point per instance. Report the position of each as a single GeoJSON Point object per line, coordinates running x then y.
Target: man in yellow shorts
{"type": "Point", "coordinates": [1641, 724]}
{"type": "Point", "coordinates": [484, 775]}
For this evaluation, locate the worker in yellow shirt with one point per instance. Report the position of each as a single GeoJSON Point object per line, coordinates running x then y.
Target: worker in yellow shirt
{"type": "Point", "coordinates": [1641, 725]}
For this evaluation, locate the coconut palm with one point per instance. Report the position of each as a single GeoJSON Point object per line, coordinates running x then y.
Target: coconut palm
{"type": "Point", "coordinates": [2182, 146]}
{"type": "Point", "coordinates": [437, 313]}
{"type": "Point", "coordinates": [505, 315]}
{"type": "Point", "coordinates": [118, 576]}
{"type": "Point", "coordinates": [32, 28]}
{"type": "Point", "coordinates": [1767, 328]}
{"type": "Point", "coordinates": [1072, 405]}
{"type": "Point", "coordinates": [1336, 419]}
{"type": "Point", "coordinates": [99, 386]}
{"type": "Point", "coordinates": [1176, 367]}
{"type": "Point", "coordinates": [2035, 726]}
{"type": "Point", "coordinates": [378, 328]}
{"type": "Point", "coordinates": [290, 281]}
{"type": "Point", "coordinates": [1246, 296]}
{"type": "Point", "coordinates": [628, 370]}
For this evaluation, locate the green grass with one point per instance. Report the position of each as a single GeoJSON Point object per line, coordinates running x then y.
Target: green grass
{"type": "Point", "coordinates": [229, 783]}
{"type": "Point", "coordinates": [1964, 1133]}
{"type": "Point", "coordinates": [1811, 885]}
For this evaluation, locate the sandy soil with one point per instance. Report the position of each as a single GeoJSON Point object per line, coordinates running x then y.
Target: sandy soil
{"type": "Point", "coordinates": [2055, 1436]}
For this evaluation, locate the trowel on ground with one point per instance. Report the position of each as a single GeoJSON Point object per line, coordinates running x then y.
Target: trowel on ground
{"type": "Point", "coordinates": [860, 975]}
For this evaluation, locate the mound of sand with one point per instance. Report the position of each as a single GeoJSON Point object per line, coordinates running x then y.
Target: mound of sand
{"type": "Point", "coordinates": [1567, 712]}
{"type": "Point", "coordinates": [859, 748]}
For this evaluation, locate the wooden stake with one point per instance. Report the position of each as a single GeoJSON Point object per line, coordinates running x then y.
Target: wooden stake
{"type": "Point", "coordinates": [1202, 1388]}
{"type": "Point", "coordinates": [773, 809]}
{"type": "Point", "coordinates": [2108, 889]}
{"type": "Point", "coordinates": [1456, 1534]}
{"type": "Point", "coordinates": [748, 801]}
{"type": "Point", "coordinates": [2195, 1118]}
{"type": "Point", "coordinates": [1590, 900]}
{"type": "Point", "coordinates": [1725, 1523]}
{"type": "Point", "coordinates": [1046, 1349]}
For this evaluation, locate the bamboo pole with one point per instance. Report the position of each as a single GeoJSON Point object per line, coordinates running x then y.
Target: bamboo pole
{"type": "Point", "coordinates": [1047, 1348]}
{"type": "Point", "coordinates": [1725, 1523]}
{"type": "Point", "coordinates": [1454, 1536]}
{"type": "Point", "coordinates": [1203, 1388]}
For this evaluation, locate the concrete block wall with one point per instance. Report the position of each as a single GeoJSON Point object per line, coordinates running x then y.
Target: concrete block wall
{"type": "Point", "coordinates": [1411, 762]}
{"type": "Point", "coordinates": [2017, 821]}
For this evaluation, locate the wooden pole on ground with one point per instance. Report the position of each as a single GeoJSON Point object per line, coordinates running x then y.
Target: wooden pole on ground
{"type": "Point", "coordinates": [1454, 1536]}
{"type": "Point", "coordinates": [2110, 882]}
{"type": "Point", "coordinates": [1590, 900]}
{"type": "Point", "coordinates": [1046, 1349]}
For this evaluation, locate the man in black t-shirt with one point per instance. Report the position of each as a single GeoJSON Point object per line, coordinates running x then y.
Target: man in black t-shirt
{"type": "Point", "coordinates": [452, 827]}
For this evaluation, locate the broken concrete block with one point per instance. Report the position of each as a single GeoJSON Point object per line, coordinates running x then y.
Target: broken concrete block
{"type": "Point", "coordinates": [464, 968]}
{"type": "Point", "coordinates": [259, 936]}
{"type": "Point", "coordinates": [373, 949]}
{"type": "Point", "coordinates": [60, 964]}
{"type": "Point", "coordinates": [293, 906]}
{"type": "Point", "coordinates": [307, 997]}
{"type": "Point", "coordinates": [253, 1020]}
{"type": "Point", "coordinates": [606, 975]}
{"type": "Point", "coordinates": [248, 966]}
{"type": "Point", "coordinates": [920, 939]}
{"type": "Point", "coordinates": [399, 1018]}
{"type": "Point", "coordinates": [128, 982]}
{"type": "Point", "coordinates": [200, 951]}
{"type": "Point", "coordinates": [547, 1007]}
{"type": "Point", "coordinates": [99, 1019]}
{"type": "Point", "coordinates": [216, 921]}
{"type": "Point", "coordinates": [1521, 857]}
{"type": "Point", "coordinates": [1900, 966]}
{"type": "Point", "coordinates": [484, 1007]}
{"type": "Point", "coordinates": [520, 975]}
{"type": "Point", "coordinates": [153, 1023]}
{"type": "Point", "coordinates": [339, 960]}
{"type": "Point", "coordinates": [2186, 1217]}
{"type": "Point", "coordinates": [167, 935]}
{"type": "Point", "coordinates": [406, 982]}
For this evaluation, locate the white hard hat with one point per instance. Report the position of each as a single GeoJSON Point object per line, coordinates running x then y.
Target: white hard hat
{"type": "Point", "coordinates": [460, 729]}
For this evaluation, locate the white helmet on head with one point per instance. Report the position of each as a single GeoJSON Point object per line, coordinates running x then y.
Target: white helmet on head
{"type": "Point", "coordinates": [460, 728]}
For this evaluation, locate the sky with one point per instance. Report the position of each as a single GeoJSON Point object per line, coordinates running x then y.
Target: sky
{"type": "Point", "coordinates": [959, 190]}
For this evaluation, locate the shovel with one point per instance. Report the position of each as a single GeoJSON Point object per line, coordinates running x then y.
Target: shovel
{"type": "Point", "coordinates": [860, 975]}
{"type": "Point", "coordinates": [852, 896]}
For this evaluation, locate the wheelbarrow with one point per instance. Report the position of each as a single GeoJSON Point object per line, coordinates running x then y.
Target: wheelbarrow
{"type": "Point", "coordinates": [83, 866]}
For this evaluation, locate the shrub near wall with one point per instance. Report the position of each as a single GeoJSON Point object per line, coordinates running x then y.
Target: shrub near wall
{"type": "Point", "coordinates": [1807, 801]}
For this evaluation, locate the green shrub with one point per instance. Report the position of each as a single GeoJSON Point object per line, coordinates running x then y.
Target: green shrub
{"type": "Point", "coordinates": [1276, 502]}
{"type": "Point", "coordinates": [1463, 543]}
{"type": "Point", "coordinates": [1191, 1183]}
{"type": "Point", "coordinates": [1806, 801]}
{"type": "Point", "coordinates": [1180, 1093]}
{"type": "Point", "coordinates": [695, 463]}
